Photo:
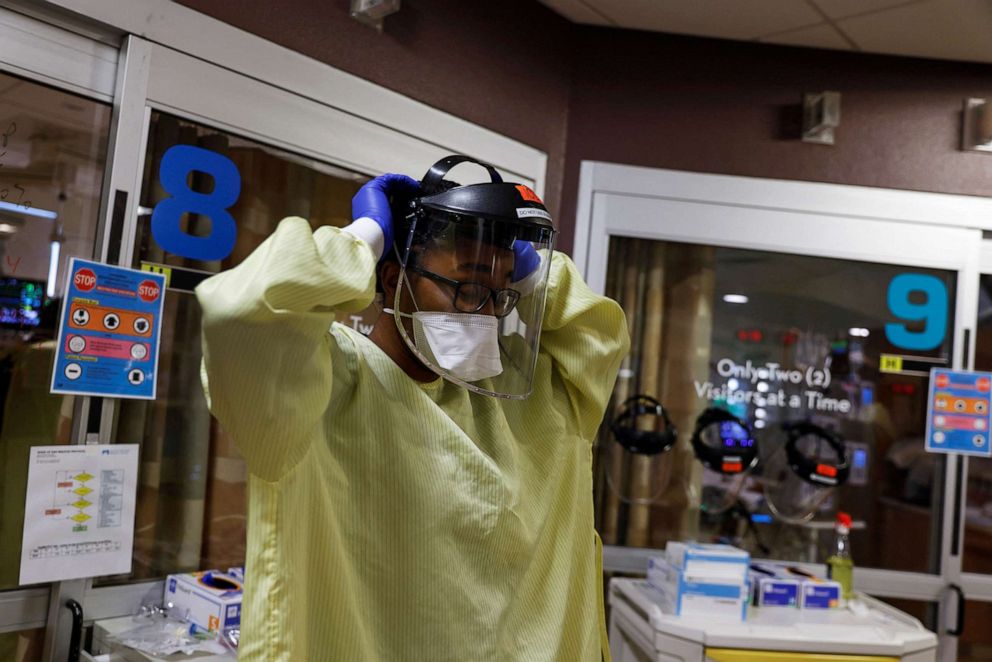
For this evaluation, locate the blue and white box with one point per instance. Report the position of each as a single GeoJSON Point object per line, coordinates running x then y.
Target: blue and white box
{"type": "Point", "coordinates": [709, 559]}
{"type": "Point", "coordinates": [703, 581]}
{"type": "Point", "coordinates": [820, 594]}
{"type": "Point", "coordinates": [210, 599]}
{"type": "Point", "coordinates": [776, 592]}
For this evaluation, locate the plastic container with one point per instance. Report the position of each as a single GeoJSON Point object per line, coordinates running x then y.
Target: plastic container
{"type": "Point", "coordinates": [840, 565]}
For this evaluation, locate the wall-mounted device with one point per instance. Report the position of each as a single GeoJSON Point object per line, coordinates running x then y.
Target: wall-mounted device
{"type": "Point", "coordinates": [976, 126]}
{"type": "Point", "coordinates": [821, 115]}
{"type": "Point", "coordinates": [372, 12]}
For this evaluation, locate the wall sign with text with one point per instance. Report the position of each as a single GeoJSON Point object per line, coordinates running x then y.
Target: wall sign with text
{"type": "Point", "coordinates": [959, 412]}
{"type": "Point", "coordinates": [109, 332]}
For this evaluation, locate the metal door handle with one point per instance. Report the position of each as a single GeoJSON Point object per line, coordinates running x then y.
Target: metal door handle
{"type": "Point", "coordinates": [77, 629]}
{"type": "Point", "coordinates": [956, 632]}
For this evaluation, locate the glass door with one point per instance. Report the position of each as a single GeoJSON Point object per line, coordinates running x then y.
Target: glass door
{"type": "Point", "coordinates": [786, 303]}
{"type": "Point", "coordinates": [777, 339]}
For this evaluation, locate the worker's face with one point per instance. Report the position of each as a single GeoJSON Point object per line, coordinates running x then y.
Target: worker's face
{"type": "Point", "coordinates": [468, 262]}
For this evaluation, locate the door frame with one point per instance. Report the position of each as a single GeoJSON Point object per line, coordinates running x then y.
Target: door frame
{"type": "Point", "coordinates": [976, 586]}
{"type": "Point", "coordinates": [52, 55]}
{"type": "Point", "coordinates": [825, 220]}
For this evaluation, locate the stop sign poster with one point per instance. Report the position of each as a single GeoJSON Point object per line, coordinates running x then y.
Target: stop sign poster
{"type": "Point", "coordinates": [109, 331]}
{"type": "Point", "coordinates": [958, 412]}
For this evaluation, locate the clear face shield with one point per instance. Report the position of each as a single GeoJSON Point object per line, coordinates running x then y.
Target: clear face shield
{"type": "Point", "coordinates": [727, 448]}
{"type": "Point", "coordinates": [803, 472]}
{"type": "Point", "coordinates": [470, 297]}
{"type": "Point", "coordinates": [643, 429]}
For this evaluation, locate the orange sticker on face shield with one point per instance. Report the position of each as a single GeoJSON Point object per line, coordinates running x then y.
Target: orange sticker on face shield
{"type": "Point", "coordinates": [528, 195]}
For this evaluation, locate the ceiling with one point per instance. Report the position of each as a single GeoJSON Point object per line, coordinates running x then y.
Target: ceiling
{"type": "Point", "coordinates": [942, 29]}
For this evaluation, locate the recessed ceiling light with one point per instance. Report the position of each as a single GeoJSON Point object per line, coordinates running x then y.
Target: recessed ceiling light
{"type": "Point", "coordinates": [735, 298]}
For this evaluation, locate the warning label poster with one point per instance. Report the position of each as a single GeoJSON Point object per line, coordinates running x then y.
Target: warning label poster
{"type": "Point", "coordinates": [109, 332]}
{"type": "Point", "coordinates": [959, 412]}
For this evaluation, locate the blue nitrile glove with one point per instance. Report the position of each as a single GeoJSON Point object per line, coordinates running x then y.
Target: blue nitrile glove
{"type": "Point", "coordinates": [526, 260]}
{"type": "Point", "coordinates": [373, 202]}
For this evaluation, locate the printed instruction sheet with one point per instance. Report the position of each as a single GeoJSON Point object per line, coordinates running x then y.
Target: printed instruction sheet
{"type": "Point", "coordinates": [79, 512]}
{"type": "Point", "coordinates": [109, 331]}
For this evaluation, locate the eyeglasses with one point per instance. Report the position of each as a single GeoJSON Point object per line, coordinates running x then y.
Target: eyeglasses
{"type": "Point", "coordinates": [472, 297]}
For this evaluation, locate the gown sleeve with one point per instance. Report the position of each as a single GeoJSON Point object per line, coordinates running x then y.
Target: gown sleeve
{"type": "Point", "coordinates": [266, 366]}
{"type": "Point", "coordinates": [586, 337]}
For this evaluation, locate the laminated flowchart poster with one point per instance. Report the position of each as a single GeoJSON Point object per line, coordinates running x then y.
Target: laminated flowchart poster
{"type": "Point", "coordinates": [109, 332]}
{"type": "Point", "coordinates": [79, 512]}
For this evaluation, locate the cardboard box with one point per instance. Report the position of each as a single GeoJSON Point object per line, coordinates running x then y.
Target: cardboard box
{"type": "Point", "coordinates": [210, 599]}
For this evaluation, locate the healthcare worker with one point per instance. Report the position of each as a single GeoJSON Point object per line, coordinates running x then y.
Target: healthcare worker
{"type": "Point", "coordinates": [424, 493]}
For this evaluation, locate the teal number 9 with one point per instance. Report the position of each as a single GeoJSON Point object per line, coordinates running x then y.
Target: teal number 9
{"type": "Point", "coordinates": [932, 312]}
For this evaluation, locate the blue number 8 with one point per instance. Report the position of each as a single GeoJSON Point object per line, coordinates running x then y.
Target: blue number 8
{"type": "Point", "coordinates": [933, 310]}
{"type": "Point", "coordinates": [177, 163]}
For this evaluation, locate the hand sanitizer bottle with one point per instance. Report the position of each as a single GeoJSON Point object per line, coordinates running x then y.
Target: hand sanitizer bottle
{"type": "Point", "coordinates": [839, 565]}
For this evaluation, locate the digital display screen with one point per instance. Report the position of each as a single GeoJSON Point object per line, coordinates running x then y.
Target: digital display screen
{"type": "Point", "coordinates": [735, 436]}
{"type": "Point", "coordinates": [20, 303]}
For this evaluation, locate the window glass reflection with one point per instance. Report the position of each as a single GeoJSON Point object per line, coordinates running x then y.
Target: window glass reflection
{"type": "Point", "coordinates": [842, 347]}
{"type": "Point", "coordinates": [975, 644]}
{"type": "Point", "coordinates": [52, 158]}
{"type": "Point", "coordinates": [22, 646]}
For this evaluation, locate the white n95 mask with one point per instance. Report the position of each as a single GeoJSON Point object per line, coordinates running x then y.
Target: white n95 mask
{"type": "Point", "coordinates": [464, 344]}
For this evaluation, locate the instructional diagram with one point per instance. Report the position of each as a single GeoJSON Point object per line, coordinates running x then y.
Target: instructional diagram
{"type": "Point", "coordinates": [959, 412]}
{"type": "Point", "coordinates": [79, 512]}
{"type": "Point", "coordinates": [80, 497]}
{"type": "Point", "coordinates": [109, 331]}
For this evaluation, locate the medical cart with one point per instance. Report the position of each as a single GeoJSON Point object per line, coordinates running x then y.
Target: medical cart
{"type": "Point", "coordinates": [641, 631]}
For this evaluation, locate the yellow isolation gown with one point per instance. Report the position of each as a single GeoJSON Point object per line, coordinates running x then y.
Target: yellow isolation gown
{"type": "Point", "coordinates": [391, 519]}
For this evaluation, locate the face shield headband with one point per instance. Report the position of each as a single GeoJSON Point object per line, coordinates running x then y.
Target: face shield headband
{"type": "Point", "coordinates": [818, 457]}
{"type": "Point", "coordinates": [734, 452]}
{"type": "Point", "coordinates": [813, 469]}
{"type": "Point", "coordinates": [624, 427]}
